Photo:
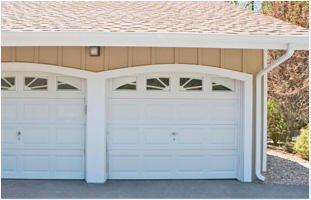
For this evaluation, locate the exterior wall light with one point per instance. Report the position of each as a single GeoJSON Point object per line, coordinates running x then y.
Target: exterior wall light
{"type": "Point", "coordinates": [94, 51]}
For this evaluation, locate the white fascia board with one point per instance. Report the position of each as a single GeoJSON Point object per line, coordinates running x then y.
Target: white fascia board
{"type": "Point", "coordinates": [196, 40]}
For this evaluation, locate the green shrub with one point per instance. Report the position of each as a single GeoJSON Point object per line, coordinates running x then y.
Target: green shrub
{"type": "Point", "coordinates": [302, 143]}
{"type": "Point", "coordinates": [277, 127]}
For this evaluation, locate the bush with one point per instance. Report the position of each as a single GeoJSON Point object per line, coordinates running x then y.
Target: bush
{"type": "Point", "coordinates": [289, 146]}
{"type": "Point", "coordinates": [277, 127]}
{"type": "Point", "coordinates": [302, 143]}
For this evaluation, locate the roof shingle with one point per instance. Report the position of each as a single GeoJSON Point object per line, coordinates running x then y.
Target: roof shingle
{"type": "Point", "coordinates": [160, 17]}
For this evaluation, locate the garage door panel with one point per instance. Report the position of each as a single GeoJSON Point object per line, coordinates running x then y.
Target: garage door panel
{"type": "Point", "coordinates": [8, 135]}
{"type": "Point", "coordinates": [225, 136]}
{"type": "Point", "coordinates": [36, 135]}
{"type": "Point", "coordinates": [190, 137]}
{"type": "Point", "coordinates": [224, 112]}
{"type": "Point", "coordinates": [190, 162]}
{"type": "Point", "coordinates": [8, 163]}
{"type": "Point", "coordinates": [123, 137]}
{"type": "Point", "coordinates": [156, 137]}
{"type": "Point", "coordinates": [191, 113]}
{"type": "Point", "coordinates": [222, 162]}
{"type": "Point", "coordinates": [9, 111]}
{"type": "Point", "coordinates": [69, 163]}
{"type": "Point", "coordinates": [157, 162]}
{"type": "Point", "coordinates": [70, 135]}
{"type": "Point", "coordinates": [36, 163]}
{"type": "Point", "coordinates": [124, 112]}
{"type": "Point", "coordinates": [124, 161]}
{"type": "Point", "coordinates": [157, 112]}
{"type": "Point", "coordinates": [70, 111]}
{"type": "Point", "coordinates": [36, 110]}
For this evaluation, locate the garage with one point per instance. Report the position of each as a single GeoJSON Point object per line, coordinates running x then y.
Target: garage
{"type": "Point", "coordinates": [174, 126]}
{"type": "Point", "coordinates": [43, 126]}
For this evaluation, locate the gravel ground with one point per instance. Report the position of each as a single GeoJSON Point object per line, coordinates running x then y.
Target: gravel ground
{"type": "Point", "coordinates": [286, 168]}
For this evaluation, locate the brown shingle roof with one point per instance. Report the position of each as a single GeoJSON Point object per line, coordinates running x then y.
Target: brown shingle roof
{"type": "Point", "coordinates": [160, 17]}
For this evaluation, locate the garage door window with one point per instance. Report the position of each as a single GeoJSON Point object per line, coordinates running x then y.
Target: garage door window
{"type": "Point", "coordinates": [36, 83]}
{"type": "Point", "coordinates": [223, 84]}
{"type": "Point", "coordinates": [8, 83]}
{"type": "Point", "coordinates": [160, 83]}
{"type": "Point", "coordinates": [190, 84]}
{"type": "Point", "coordinates": [68, 83]}
{"type": "Point", "coordinates": [125, 83]}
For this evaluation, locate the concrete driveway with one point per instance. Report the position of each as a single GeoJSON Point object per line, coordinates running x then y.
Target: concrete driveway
{"type": "Point", "coordinates": [149, 189]}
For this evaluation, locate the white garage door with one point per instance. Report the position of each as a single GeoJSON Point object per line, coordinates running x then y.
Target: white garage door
{"type": "Point", "coordinates": [42, 126]}
{"type": "Point", "coordinates": [174, 126]}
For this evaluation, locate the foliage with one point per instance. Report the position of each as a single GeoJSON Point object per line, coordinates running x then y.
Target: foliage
{"type": "Point", "coordinates": [250, 5]}
{"type": "Point", "coordinates": [288, 146]}
{"type": "Point", "coordinates": [288, 83]}
{"type": "Point", "coordinates": [277, 128]}
{"type": "Point", "coordinates": [302, 143]}
{"type": "Point", "coordinates": [295, 12]}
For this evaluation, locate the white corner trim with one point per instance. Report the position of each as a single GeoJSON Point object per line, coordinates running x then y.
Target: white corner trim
{"type": "Point", "coordinates": [248, 130]}
{"type": "Point", "coordinates": [259, 124]}
{"type": "Point", "coordinates": [145, 39]}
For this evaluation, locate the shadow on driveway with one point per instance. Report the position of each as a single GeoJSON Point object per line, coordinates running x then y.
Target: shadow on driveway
{"type": "Point", "coordinates": [149, 189]}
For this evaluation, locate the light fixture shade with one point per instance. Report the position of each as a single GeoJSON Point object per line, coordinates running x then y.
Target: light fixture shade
{"type": "Point", "coordinates": [94, 51]}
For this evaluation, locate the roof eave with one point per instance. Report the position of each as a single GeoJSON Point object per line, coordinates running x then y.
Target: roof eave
{"type": "Point", "coordinates": [196, 40]}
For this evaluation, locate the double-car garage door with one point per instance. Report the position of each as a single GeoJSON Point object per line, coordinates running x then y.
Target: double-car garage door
{"type": "Point", "coordinates": [174, 126]}
{"type": "Point", "coordinates": [160, 126]}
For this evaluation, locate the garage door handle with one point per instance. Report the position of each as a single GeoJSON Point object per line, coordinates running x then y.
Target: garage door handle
{"type": "Point", "coordinates": [18, 135]}
{"type": "Point", "coordinates": [173, 133]}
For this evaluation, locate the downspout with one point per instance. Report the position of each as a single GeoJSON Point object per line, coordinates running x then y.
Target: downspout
{"type": "Point", "coordinates": [259, 136]}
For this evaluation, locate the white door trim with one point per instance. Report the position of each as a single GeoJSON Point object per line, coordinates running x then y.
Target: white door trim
{"type": "Point", "coordinates": [96, 169]}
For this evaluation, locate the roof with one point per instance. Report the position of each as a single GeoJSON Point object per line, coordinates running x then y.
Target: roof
{"type": "Point", "coordinates": [208, 18]}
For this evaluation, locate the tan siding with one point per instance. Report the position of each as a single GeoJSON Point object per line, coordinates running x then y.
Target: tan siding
{"type": "Point", "coordinates": [48, 55]}
{"type": "Point", "coordinates": [72, 57]}
{"type": "Point", "coordinates": [188, 56]}
{"type": "Point", "coordinates": [6, 54]}
{"type": "Point", "coordinates": [141, 56]}
{"type": "Point", "coordinates": [118, 57]}
{"type": "Point", "coordinates": [211, 57]}
{"type": "Point", "coordinates": [164, 55]}
{"type": "Point", "coordinates": [24, 54]}
{"type": "Point", "coordinates": [233, 59]}
{"type": "Point", "coordinates": [247, 60]}
{"type": "Point", "coordinates": [253, 60]}
{"type": "Point", "coordinates": [95, 63]}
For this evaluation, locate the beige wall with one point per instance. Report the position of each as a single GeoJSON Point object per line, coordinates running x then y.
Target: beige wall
{"type": "Point", "coordinates": [244, 60]}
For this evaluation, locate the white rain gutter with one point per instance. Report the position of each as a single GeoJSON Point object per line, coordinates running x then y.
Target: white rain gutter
{"type": "Point", "coordinates": [259, 137]}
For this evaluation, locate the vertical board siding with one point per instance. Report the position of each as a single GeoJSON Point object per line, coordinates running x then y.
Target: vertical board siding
{"type": "Point", "coordinates": [188, 56]}
{"type": "Point", "coordinates": [244, 60]}
{"type": "Point", "coordinates": [233, 59]}
{"type": "Point", "coordinates": [118, 57]}
{"type": "Point", "coordinates": [72, 57]}
{"type": "Point", "coordinates": [211, 57]}
{"type": "Point", "coordinates": [24, 54]}
{"type": "Point", "coordinates": [48, 55]}
{"type": "Point", "coordinates": [141, 56]}
{"type": "Point", "coordinates": [6, 54]}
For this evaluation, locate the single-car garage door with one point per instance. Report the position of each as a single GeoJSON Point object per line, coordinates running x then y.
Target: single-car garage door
{"type": "Point", "coordinates": [42, 126]}
{"type": "Point", "coordinates": [174, 126]}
